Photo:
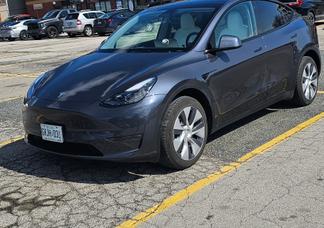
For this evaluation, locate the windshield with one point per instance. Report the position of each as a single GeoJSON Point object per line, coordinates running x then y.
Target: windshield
{"type": "Point", "coordinates": [51, 14]}
{"type": "Point", "coordinates": [106, 16]}
{"type": "Point", "coordinates": [177, 29]}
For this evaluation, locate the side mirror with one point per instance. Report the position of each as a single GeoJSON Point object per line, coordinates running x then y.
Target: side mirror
{"type": "Point", "coordinates": [229, 42]}
{"type": "Point", "coordinates": [226, 43]}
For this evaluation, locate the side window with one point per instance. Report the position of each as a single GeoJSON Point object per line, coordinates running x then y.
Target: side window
{"type": "Point", "coordinates": [239, 21]}
{"type": "Point", "coordinates": [99, 14]}
{"type": "Point", "coordinates": [271, 15]}
{"type": "Point", "coordinates": [86, 15]}
{"type": "Point", "coordinates": [92, 15]}
{"type": "Point", "coordinates": [63, 14]}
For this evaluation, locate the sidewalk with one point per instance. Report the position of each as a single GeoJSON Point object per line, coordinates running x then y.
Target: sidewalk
{"type": "Point", "coordinates": [282, 188]}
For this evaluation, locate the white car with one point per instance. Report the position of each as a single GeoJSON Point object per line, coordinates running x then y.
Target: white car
{"type": "Point", "coordinates": [14, 30]}
{"type": "Point", "coordinates": [81, 22]}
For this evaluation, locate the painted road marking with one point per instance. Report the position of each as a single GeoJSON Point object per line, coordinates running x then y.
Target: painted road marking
{"type": "Point", "coordinates": [320, 92]}
{"type": "Point", "coordinates": [9, 141]}
{"type": "Point", "coordinates": [195, 187]}
{"type": "Point", "coordinates": [10, 99]}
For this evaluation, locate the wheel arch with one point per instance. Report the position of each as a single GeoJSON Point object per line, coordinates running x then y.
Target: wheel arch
{"type": "Point", "coordinates": [202, 99]}
{"type": "Point", "coordinates": [315, 56]}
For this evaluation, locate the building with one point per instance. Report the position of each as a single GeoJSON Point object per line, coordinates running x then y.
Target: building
{"type": "Point", "coordinates": [11, 7]}
{"type": "Point", "coordinates": [38, 8]}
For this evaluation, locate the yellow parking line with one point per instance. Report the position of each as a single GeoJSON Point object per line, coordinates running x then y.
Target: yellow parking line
{"type": "Point", "coordinates": [185, 193]}
{"type": "Point", "coordinates": [10, 99]}
{"type": "Point", "coordinates": [7, 142]}
{"type": "Point", "coordinates": [320, 92]}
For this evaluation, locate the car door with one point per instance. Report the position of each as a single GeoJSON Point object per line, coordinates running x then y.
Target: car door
{"type": "Point", "coordinates": [92, 17]}
{"type": "Point", "coordinates": [235, 75]}
{"type": "Point", "coordinates": [279, 42]}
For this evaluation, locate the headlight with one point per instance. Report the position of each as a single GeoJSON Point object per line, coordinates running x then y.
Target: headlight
{"type": "Point", "coordinates": [132, 95]}
{"type": "Point", "coordinates": [42, 25]}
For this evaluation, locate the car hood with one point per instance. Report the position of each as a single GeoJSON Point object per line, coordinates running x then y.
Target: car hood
{"type": "Point", "coordinates": [97, 75]}
{"type": "Point", "coordinates": [9, 23]}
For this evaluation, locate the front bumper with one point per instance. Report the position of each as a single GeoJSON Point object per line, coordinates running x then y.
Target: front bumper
{"type": "Point", "coordinates": [37, 32]}
{"type": "Point", "coordinates": [127, 133]}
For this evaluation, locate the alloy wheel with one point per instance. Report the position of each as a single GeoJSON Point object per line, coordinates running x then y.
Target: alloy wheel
{"type": "Point", "coordinates": [188, 133]}
{"type": "Point", "coordinates": [310, 81]}
{"type": "Point", "coordinates": [23, 35]}
{"type": "Point", "coordinates": [52, 32]}
{"type": "Point", "coordinates": [88, 31]}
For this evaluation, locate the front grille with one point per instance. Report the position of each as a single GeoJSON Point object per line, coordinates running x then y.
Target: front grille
{"type": "Point", "coordinates": [68, 148]}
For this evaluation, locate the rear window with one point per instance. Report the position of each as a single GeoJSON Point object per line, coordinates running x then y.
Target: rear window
{"type": "Point", "coordinates": [72, 16]}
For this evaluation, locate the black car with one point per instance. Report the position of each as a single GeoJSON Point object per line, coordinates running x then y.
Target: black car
{"type": "Point", "coordinates": [311, 10]}
{"type": "Point", "coordinates": [50, 25]}
{"type": "Point", "coordinates": [109, 22]}
{"type": "Point", "coordinates": [156, 95]}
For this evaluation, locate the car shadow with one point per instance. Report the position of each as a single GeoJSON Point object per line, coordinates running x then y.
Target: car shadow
{"type": "Point", "coordinates": [21, 158]}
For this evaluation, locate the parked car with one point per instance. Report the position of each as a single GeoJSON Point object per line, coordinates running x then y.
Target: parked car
{"type": "Point", "coordinates": [311, 10]}
{"type": "Point", "coordinates": [14, 30]}
{"type": "Point", "coordinates": [156, 95]}
{"type": "Point", "coordinates": [109, 22]}
{"type": "Point", "coordinates": [50, 25]}
{"type": "Point", "coordinates": [15, 18]}
{"type": "Point", "coordinates": [81, 22]}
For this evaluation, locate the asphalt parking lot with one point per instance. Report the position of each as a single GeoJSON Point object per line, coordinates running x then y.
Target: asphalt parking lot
{"type": "Point", "coordinates": [41, 190]}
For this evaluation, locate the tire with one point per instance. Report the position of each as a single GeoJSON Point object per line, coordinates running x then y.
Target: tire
{"type": "Point", "coordinates": [179, 147]}
{"type": "Point", "coordinates": [88, 31]}
{"type": "Point", "coordinates": [52, 32]}
{"type": "Point", "coordinates": [71, 34]}
{"type": "Point", "coordinates": [307, 80]}
{"type": "Point", "coordinates": [23, 35]}
{"type": "Point", "coordinates": [310, 17]}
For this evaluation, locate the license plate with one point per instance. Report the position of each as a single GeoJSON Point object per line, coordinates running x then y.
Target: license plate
{"type": "Point", "coordinates": [52, 133]}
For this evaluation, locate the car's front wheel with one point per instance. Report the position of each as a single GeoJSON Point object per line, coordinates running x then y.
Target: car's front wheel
{"type": "Point", "coordinates": [307, 82]}
{"type": "Point", "coordinates": [52, 32]}
{"type": "Point", "coordinates": [183, 133]}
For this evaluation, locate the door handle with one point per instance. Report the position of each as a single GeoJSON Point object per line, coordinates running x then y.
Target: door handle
{"type": "Point", "coordinates": [258, 49]}
{"type": "Point", "coordinates": [293, 36]}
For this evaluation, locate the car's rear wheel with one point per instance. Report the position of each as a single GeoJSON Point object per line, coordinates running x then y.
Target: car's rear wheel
{"type": "Point", "coordinates": [310, 17]}
{"type": "Point", "coordinates": [52, 32]}
{"type": "Point", "coordinates": [88, 30]}
{"type": "Point", "coordinates": [183, 133]}
{"type": "Point", "coordinates": [307, 82]}
{"type": "Point", "coordinates": [23, 35]}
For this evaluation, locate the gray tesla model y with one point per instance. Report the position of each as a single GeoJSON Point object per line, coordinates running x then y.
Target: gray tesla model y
{"type": "Point", "coordinates": [169, 77]}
